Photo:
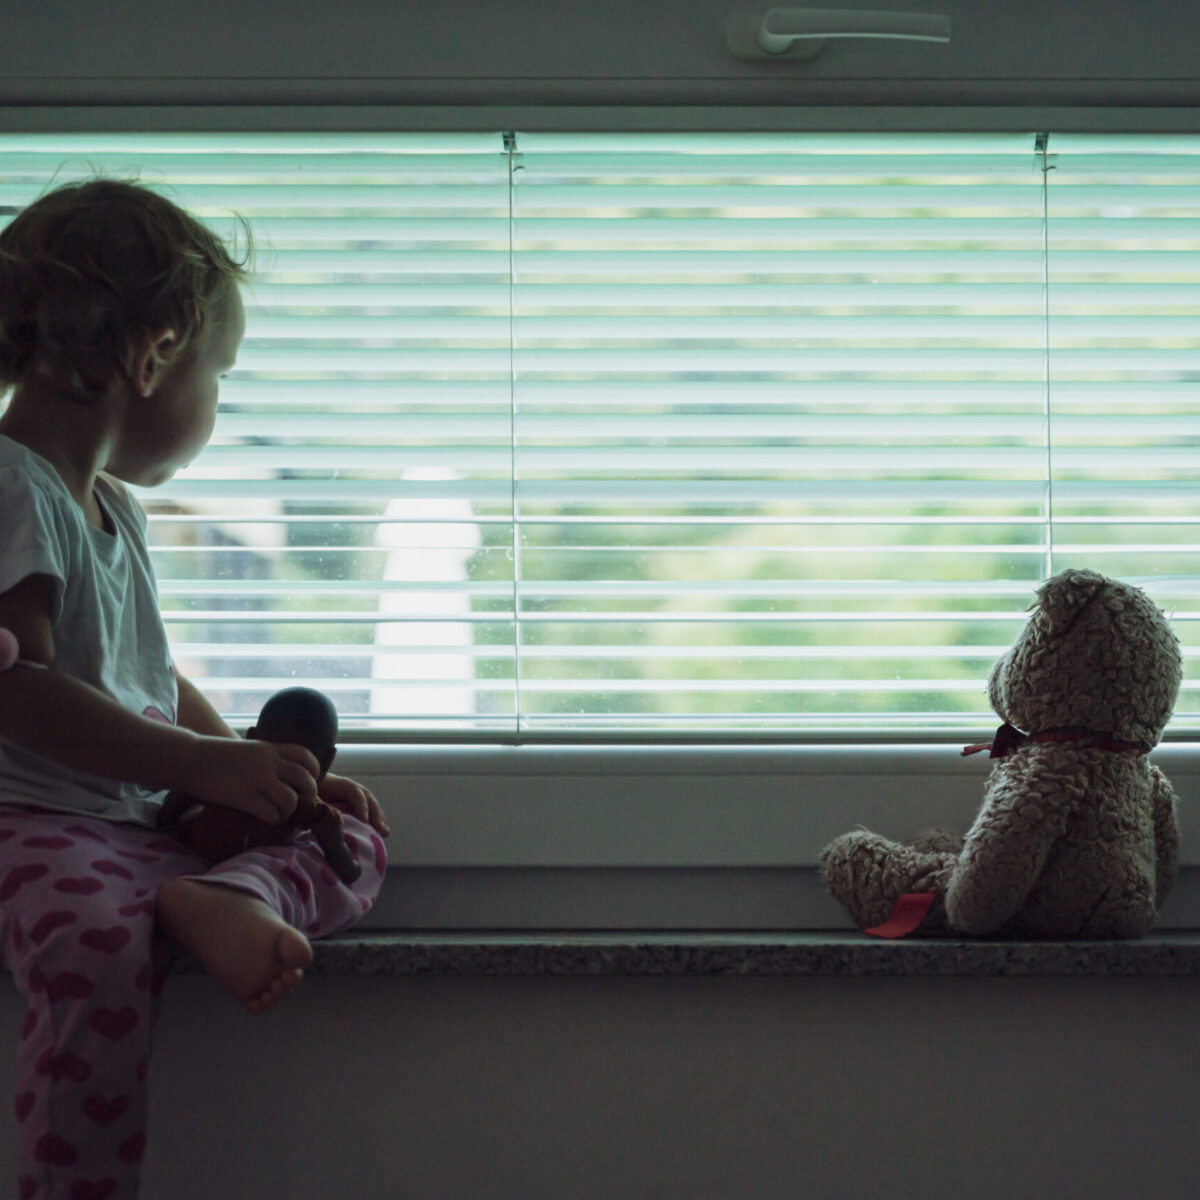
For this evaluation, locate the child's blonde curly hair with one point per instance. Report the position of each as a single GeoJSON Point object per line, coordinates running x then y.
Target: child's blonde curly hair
{"type": "Point", "coordinates": [92, 269]}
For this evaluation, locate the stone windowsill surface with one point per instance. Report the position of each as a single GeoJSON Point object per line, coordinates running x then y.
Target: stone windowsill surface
{"type": "Point", "coordinates": [739, 953]}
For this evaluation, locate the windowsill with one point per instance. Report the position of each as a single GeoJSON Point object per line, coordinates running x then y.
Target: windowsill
{"type": "Point", "coordinates": [394, 953]}
{"type": "Point", "coordinates": [697, 806]}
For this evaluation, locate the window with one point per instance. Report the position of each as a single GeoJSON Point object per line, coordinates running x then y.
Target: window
{"type": "Point", "coordinates": [677, 436]}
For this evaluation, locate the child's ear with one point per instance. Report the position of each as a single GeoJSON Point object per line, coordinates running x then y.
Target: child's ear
{"type": "Point", "coordinates": [153, 360]}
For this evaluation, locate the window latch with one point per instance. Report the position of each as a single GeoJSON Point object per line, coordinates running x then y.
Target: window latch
{"type": "Point", "coordinates": [799, 34]}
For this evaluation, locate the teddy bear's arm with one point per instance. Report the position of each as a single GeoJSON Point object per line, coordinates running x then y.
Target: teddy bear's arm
{"type": "Point", "coordinates": [1166, 836]}
{"type": "Point", "coordinates": [1025, 811]}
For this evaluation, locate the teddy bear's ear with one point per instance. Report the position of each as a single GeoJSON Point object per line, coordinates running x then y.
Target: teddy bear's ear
{"type": "Point", "coordinates": [1063, 599]}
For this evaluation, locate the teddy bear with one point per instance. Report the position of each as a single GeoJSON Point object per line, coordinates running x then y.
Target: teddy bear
{"type": "Point", "coordinates": [1077, 835]}
{"type": "Point", "coordinates": [303, 717]}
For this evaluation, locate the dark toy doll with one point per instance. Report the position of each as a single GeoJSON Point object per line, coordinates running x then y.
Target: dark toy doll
{"type": "Point", "coordinates": [302, 717]}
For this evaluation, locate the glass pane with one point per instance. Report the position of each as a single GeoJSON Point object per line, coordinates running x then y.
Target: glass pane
{"type": "Point", "coordinates": [1124, 302]}
{"type": "Point", "coordinates": [775, 413]}
{"type": "Point", "coordinates": [781, 435]}
{"type": "Point", "coordinates": [349, 526]}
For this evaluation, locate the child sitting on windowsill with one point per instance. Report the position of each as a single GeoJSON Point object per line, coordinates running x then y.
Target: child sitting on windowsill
{"type": "Point", "coordinates": [119, 314]}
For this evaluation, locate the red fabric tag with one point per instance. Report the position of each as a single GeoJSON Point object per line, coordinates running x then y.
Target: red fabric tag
{"type": "Point", "coordinates": [910, 910]}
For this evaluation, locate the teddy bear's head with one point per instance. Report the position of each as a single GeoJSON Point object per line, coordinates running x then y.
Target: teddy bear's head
{"type": "Point", "coordinates": [1095, 654]}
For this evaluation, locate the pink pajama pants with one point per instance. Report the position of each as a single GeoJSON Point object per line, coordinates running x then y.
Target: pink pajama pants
{"type": "Point", "coordinates": [77, 931]}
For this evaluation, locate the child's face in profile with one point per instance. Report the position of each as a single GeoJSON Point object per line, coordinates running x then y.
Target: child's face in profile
{"type": "Point", "coordinates": [168, 428]}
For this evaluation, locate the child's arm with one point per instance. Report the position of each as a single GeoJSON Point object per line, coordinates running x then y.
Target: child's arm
{"type": "Point", "coordinates": [196, 711]}
{"type": "Point", "coordinates": [70, 722]}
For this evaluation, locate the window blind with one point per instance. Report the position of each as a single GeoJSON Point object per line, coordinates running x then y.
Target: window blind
{"type": "Point", "coordinates": [676, 436]}
{"type": "Point", "coordinates": [1123, 237]}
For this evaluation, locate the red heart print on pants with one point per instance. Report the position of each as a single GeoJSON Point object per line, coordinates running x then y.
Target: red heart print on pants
{"type": "Point", "coordinates": [69, 986]}
{"type": "Point", "coordinates": [110, 941]}
{"type": "Point", "coordinates": [63, 1066]}
{"type": "Point", "coordinates": [105, 866]}
{"type": "Point", "coordinates": [50, 1148]}
{"type": "Point", "coordinates": [114, 1024]}
{"type": "Point", "coordinates": [49, 923]}
{"type": "Point", "coordinates": [104, 1111]}
{"type": "Point", "coordinates": [87, 886]}
{"type": "Point", "coordinates": [18, 877]}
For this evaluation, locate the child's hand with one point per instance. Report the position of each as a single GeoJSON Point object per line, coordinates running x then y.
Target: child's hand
{"type": "Point", "coordinates": [264, 779]}
{"type": "Point", "coordinates": [356, 799]}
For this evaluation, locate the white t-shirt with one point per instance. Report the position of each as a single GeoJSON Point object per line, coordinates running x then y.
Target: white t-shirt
{"type": "Point", "coordinates": [105, 618]}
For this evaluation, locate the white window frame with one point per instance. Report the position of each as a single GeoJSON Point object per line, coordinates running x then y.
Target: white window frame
{"type": "Point", "coordinates": [643, 836]}
{"type": "Point", "coordinates": [651, 836]}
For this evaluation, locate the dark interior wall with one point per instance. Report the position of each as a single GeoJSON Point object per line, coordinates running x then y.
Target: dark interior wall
{"type": "Point", "coordinates": [581, 52]}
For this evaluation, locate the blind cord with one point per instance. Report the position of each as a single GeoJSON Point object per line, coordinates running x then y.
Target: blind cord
{"type": "Point", "coordinates": [1041, 145]}
{"type": "Point", "coordinates": [510, 146]}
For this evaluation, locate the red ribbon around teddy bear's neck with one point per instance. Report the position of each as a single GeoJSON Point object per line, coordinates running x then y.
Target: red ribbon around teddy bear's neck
{"type": "Point", "coordinates": [1008, 739]}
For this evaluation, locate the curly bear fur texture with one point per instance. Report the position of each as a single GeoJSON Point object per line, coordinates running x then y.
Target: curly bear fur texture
{"type": "Point", "coordinates": [1076, 838]}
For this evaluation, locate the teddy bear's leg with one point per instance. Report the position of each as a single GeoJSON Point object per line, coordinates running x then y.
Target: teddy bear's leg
{"type": "Point", "coordinates": [940, 840]}
{"type": "Point", "coordinates": [867, 874]}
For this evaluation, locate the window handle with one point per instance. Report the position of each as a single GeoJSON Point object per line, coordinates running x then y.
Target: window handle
{"type": "Point", "coordinates": [800, 33]}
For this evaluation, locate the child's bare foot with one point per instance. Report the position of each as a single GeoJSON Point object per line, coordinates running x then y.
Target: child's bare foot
{"type": "Point", "coordinates": [254, 954]}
